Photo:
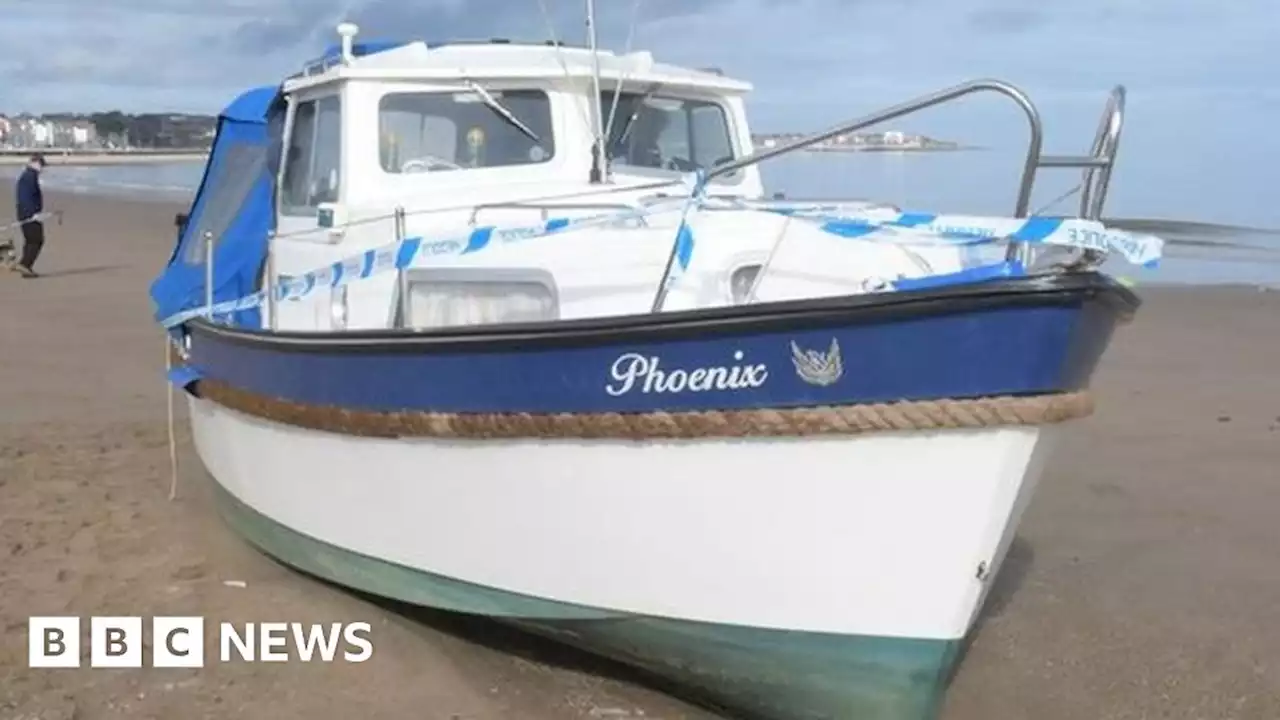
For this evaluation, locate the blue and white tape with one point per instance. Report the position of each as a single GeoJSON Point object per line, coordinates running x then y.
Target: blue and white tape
{"type": "Point", "coordinates": [927, 228]}
{"type": "Point", "coordinates": [696, 183]}
{"type": "Point", "coordinates": [397, 256]}
{"type": "Point", "coordinates": [878, 223]}
{"type": "Point", "coordinates": [891, 225]}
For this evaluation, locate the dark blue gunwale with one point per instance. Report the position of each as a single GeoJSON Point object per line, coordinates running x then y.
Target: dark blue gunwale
{"type": "Point", "coordinates": [1007, 337]}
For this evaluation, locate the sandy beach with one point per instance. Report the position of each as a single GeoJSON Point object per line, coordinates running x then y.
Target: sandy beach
{"type": "Point", "coordinates": [1144, 583]}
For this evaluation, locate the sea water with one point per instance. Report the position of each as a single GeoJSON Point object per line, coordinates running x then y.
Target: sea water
{"type": "Point", "coordinates": [165, 181]}
{"type": "Point", "coordinates": [1215, 226]}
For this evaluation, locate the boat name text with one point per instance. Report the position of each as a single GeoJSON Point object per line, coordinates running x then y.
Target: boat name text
{"type": "Point", "coordinates": [633, 370]}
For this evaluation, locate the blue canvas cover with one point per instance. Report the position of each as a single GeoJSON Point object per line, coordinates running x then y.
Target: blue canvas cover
{"type": "Point", "coordinates": [235, 203]}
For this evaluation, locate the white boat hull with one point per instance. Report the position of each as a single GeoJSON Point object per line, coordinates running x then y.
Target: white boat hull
{"type": "Point", "coordinates": [885, 534]}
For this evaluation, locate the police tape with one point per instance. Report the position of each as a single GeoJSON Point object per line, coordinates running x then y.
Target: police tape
{"type": "Point", "coordinates": [888, 224]}
{"type": "Point", "coordinates": [870, 222]}
{"type": "Point", "coordinates": [403, 254]}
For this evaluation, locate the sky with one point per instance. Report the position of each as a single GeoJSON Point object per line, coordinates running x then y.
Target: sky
{"type": "Point", "coordinates": [807, 58]}
{"type": "Point", "coordinates": [1201, 74]}
{"type": "Point", "coordinates": [1203, 97]}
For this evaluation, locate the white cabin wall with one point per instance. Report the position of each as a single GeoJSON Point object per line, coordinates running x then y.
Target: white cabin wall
{"type": "Point", "coordinates": [752, 185]}
{"type": "Point", "coordinates": [370, 196]}
{"type": "Point", "coordinates": [621, 279]}
{"type": "Point", "coordinates": [301, 244]}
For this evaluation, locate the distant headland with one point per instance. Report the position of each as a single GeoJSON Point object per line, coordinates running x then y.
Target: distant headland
{"type": "Point", "coordinates": [120, 138]}
{"type": "Point", "coordinates": [891, 140]}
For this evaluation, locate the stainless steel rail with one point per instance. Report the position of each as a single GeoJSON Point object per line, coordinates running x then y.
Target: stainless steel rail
{"type": "Point", "coordinates": [545, 208]}
{"type": "Point", "coordinates": [402, 279]}
{"type": "Point", "coordinates": [1106, 143]}
{"type": "Point", "coordinates": [273, 304]}
{"type": "Point", "coordinates": [207, 239]}
{"type": "Point", "coordinates": [1097, 165]}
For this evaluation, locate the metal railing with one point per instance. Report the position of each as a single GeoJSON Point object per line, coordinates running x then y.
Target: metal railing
{"type": "Point", "coordinates": [1097, 165]}
{"type": "Point", "coordinates": [545, 208]}
{"type": "Point", "coordinates": [544, 203]}
{"type": "Point", "coordinates": [402, 278]}
{"type": "Point", "coordinates": [1106, 143]}
{"type": "Point", "coordinates": [269, 282]}
{"type": "Point", "coordinates": [909, 107]}
{"type": "Point", "coordinates": [207, 238]}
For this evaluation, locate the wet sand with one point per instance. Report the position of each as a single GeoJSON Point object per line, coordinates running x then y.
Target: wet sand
{"type": "Point", "coordinates": [1145, 582]}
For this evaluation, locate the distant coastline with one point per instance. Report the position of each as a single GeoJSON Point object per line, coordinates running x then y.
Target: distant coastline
{"type": "Point", "coordinates": [888, 141]}
{"type": "Point", "coordinates": [103, 156]}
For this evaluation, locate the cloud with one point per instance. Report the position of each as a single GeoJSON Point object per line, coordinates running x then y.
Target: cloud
{"type": "Point", "coordinates": [811, 60]}
{"type": "Point", "coordinates": [1005, 20]}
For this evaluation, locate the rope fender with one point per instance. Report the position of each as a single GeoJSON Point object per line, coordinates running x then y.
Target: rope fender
{"type": "Point", "coordinates": [943, 414]}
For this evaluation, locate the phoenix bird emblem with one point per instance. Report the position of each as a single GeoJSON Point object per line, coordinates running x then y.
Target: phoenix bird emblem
{"type": "Point", "coordinates": [816, 367]}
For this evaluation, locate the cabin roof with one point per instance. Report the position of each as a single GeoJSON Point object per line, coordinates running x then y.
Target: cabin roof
{"type": "Point", "coordinates": [503, 60]}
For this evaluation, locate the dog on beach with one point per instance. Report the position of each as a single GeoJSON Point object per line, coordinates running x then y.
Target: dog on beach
{"type": "Point", "coordinates": [8, 250]}
{"type": "Point", "coordinates": [10, 253]}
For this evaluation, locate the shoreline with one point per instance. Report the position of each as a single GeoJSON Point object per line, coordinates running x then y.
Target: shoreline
{"type": "Point", "coordinates": [890, 149]}
{"type": "Point", "coordinates": [1209, 261]}
{"type": "Point", "coordinates": [1176, 272]}
{"type": "Point", "coordinates": [104, 159]}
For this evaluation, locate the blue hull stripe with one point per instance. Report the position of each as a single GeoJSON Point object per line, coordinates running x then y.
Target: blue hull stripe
{"type": "Point", "coordinates": [1022, 349]}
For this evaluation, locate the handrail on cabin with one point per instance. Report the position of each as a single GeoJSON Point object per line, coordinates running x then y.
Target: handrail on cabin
{"type": "Point", "coordinates": [1097, 165]}
{"type": "Point", "coordinates": [906, 108]}
{"type": "Point", "coordinates": [545, 207]}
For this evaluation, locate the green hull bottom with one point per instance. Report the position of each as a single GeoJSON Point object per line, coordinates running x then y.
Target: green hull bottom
{"type": "Point", "coordinates": [754, 672]}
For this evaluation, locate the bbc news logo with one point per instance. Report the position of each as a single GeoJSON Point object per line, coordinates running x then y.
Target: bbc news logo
{"type": "Point", "coordinates": [179, 642]}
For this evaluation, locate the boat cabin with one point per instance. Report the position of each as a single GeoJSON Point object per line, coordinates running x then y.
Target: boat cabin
{"type": "Point", "coordinates": [417, 187]}
{"type": "Point", "coordinates": [383, 143]}
{"type": "Point", "coordinates": [471, 134]}
{"type": "Point", "coordinates": [377, 125]}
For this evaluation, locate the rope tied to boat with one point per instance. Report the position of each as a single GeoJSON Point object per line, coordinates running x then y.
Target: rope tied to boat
{"type": "Point", "coordinates": [916, 415]}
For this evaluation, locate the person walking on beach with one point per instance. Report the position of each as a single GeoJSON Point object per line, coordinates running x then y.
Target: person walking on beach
{"type": "Point", "coordinates": [30, 206]}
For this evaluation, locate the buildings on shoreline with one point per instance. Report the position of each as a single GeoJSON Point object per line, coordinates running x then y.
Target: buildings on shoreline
{"type": "Point", "coordinates": [120, 132]}
{"type": "Point", "coordinates": [106, 131]}
{"type": "Point", "coordinates": [854, 142]}
{"type": "Point", "coordinates": [24, 131]}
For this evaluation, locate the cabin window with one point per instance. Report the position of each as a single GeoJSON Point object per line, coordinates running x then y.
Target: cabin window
{"type": "Point", "coordinates": [234, 168]}
{"type": "Point", "coordinates": [652, 131]}
{"type": "Point", "coordinates": [312, 170]}
{"type": "Point", "coordinates": [428, 132]}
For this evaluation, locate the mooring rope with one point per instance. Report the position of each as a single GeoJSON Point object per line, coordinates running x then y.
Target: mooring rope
{"type": "Point", "coordinates": [986, 412]}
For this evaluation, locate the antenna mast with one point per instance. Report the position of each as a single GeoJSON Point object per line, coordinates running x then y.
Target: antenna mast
{"type": "Point", "coordinates": [599, 161]}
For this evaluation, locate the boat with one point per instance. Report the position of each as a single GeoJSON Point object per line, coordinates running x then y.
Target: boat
{"type": "Point", "coordinates": [515, 330]}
